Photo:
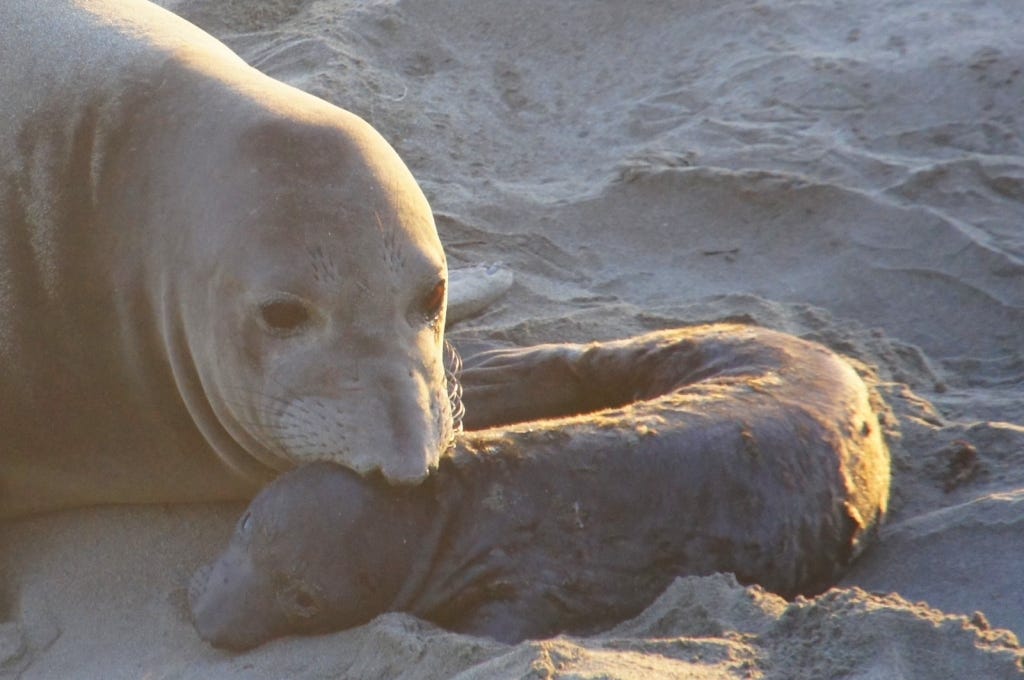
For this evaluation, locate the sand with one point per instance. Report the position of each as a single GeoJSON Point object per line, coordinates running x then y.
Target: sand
{"type": "Point", "coordinates": [849, 172]}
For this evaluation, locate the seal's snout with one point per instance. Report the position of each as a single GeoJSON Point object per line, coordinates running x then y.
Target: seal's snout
{"type": "Point", "coordinates": [208, 618]}
{"type": "Point", "coordinates": [399, 432]}
{"type": "Point", "coordinates": [230, 608]}
{"type": "Point", "coordinates": [410, 469]}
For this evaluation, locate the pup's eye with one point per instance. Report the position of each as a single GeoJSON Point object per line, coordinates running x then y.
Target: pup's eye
{"type": "Point", "coordinates": [284, 316]}
{"type": "Point", "coordinates": [433, 301]}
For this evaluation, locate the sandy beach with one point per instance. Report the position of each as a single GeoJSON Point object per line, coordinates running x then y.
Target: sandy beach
{"type": "Point", "coordinates": [852, 173]}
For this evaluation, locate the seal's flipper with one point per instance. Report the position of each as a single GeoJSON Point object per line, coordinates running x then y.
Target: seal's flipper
{"type": "Point", "coordinates": [473, 289]}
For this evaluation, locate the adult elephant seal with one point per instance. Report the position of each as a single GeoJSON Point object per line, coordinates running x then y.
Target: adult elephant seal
{"type": "Point", "coordinates": [206, 276]}
{"type": "Point", "coordinates": [717, 448]}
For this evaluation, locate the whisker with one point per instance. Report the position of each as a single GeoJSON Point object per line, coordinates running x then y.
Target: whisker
{"type": "Point", "coordinates": [452, 371]}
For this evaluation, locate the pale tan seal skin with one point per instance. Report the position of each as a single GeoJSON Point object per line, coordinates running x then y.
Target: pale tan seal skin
{"type": "Point", "coordinates": [206, 276]}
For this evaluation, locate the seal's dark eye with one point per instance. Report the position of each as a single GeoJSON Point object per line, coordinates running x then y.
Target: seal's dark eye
{"type": "Point", "coordinates": [284, 316]}
{"type": "Point", "coordinates": [433, 301]}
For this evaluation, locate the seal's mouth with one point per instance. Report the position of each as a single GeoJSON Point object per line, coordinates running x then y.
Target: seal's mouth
{"type": "Point", "coordinates": [197, 584]}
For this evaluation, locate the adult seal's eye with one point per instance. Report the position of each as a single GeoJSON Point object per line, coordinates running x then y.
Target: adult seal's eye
{"type": "Point", "coordinates": [433, 302]}
{"type": "Point", "coordinates": [284, 316]}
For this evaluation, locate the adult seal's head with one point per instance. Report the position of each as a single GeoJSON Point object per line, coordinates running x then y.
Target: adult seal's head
{"type": "Point", "coordinates": [305, 276]}
{"type": "Point", "coordinates": [196, 257]}
{"type": "Point", "coordinates": [310, 288]}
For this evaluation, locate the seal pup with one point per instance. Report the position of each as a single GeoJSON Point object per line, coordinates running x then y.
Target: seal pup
{"type": "Point", "coordinates": [206, 276]}
{"type": "Point", "coordinates": [707, 449]}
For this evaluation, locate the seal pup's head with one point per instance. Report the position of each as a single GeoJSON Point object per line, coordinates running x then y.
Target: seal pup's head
{"type": "Point", "coordinates": [319, 549]}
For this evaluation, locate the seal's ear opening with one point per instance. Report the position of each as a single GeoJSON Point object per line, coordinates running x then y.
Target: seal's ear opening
{"type": "Point", "coordinates": [300, 601]}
